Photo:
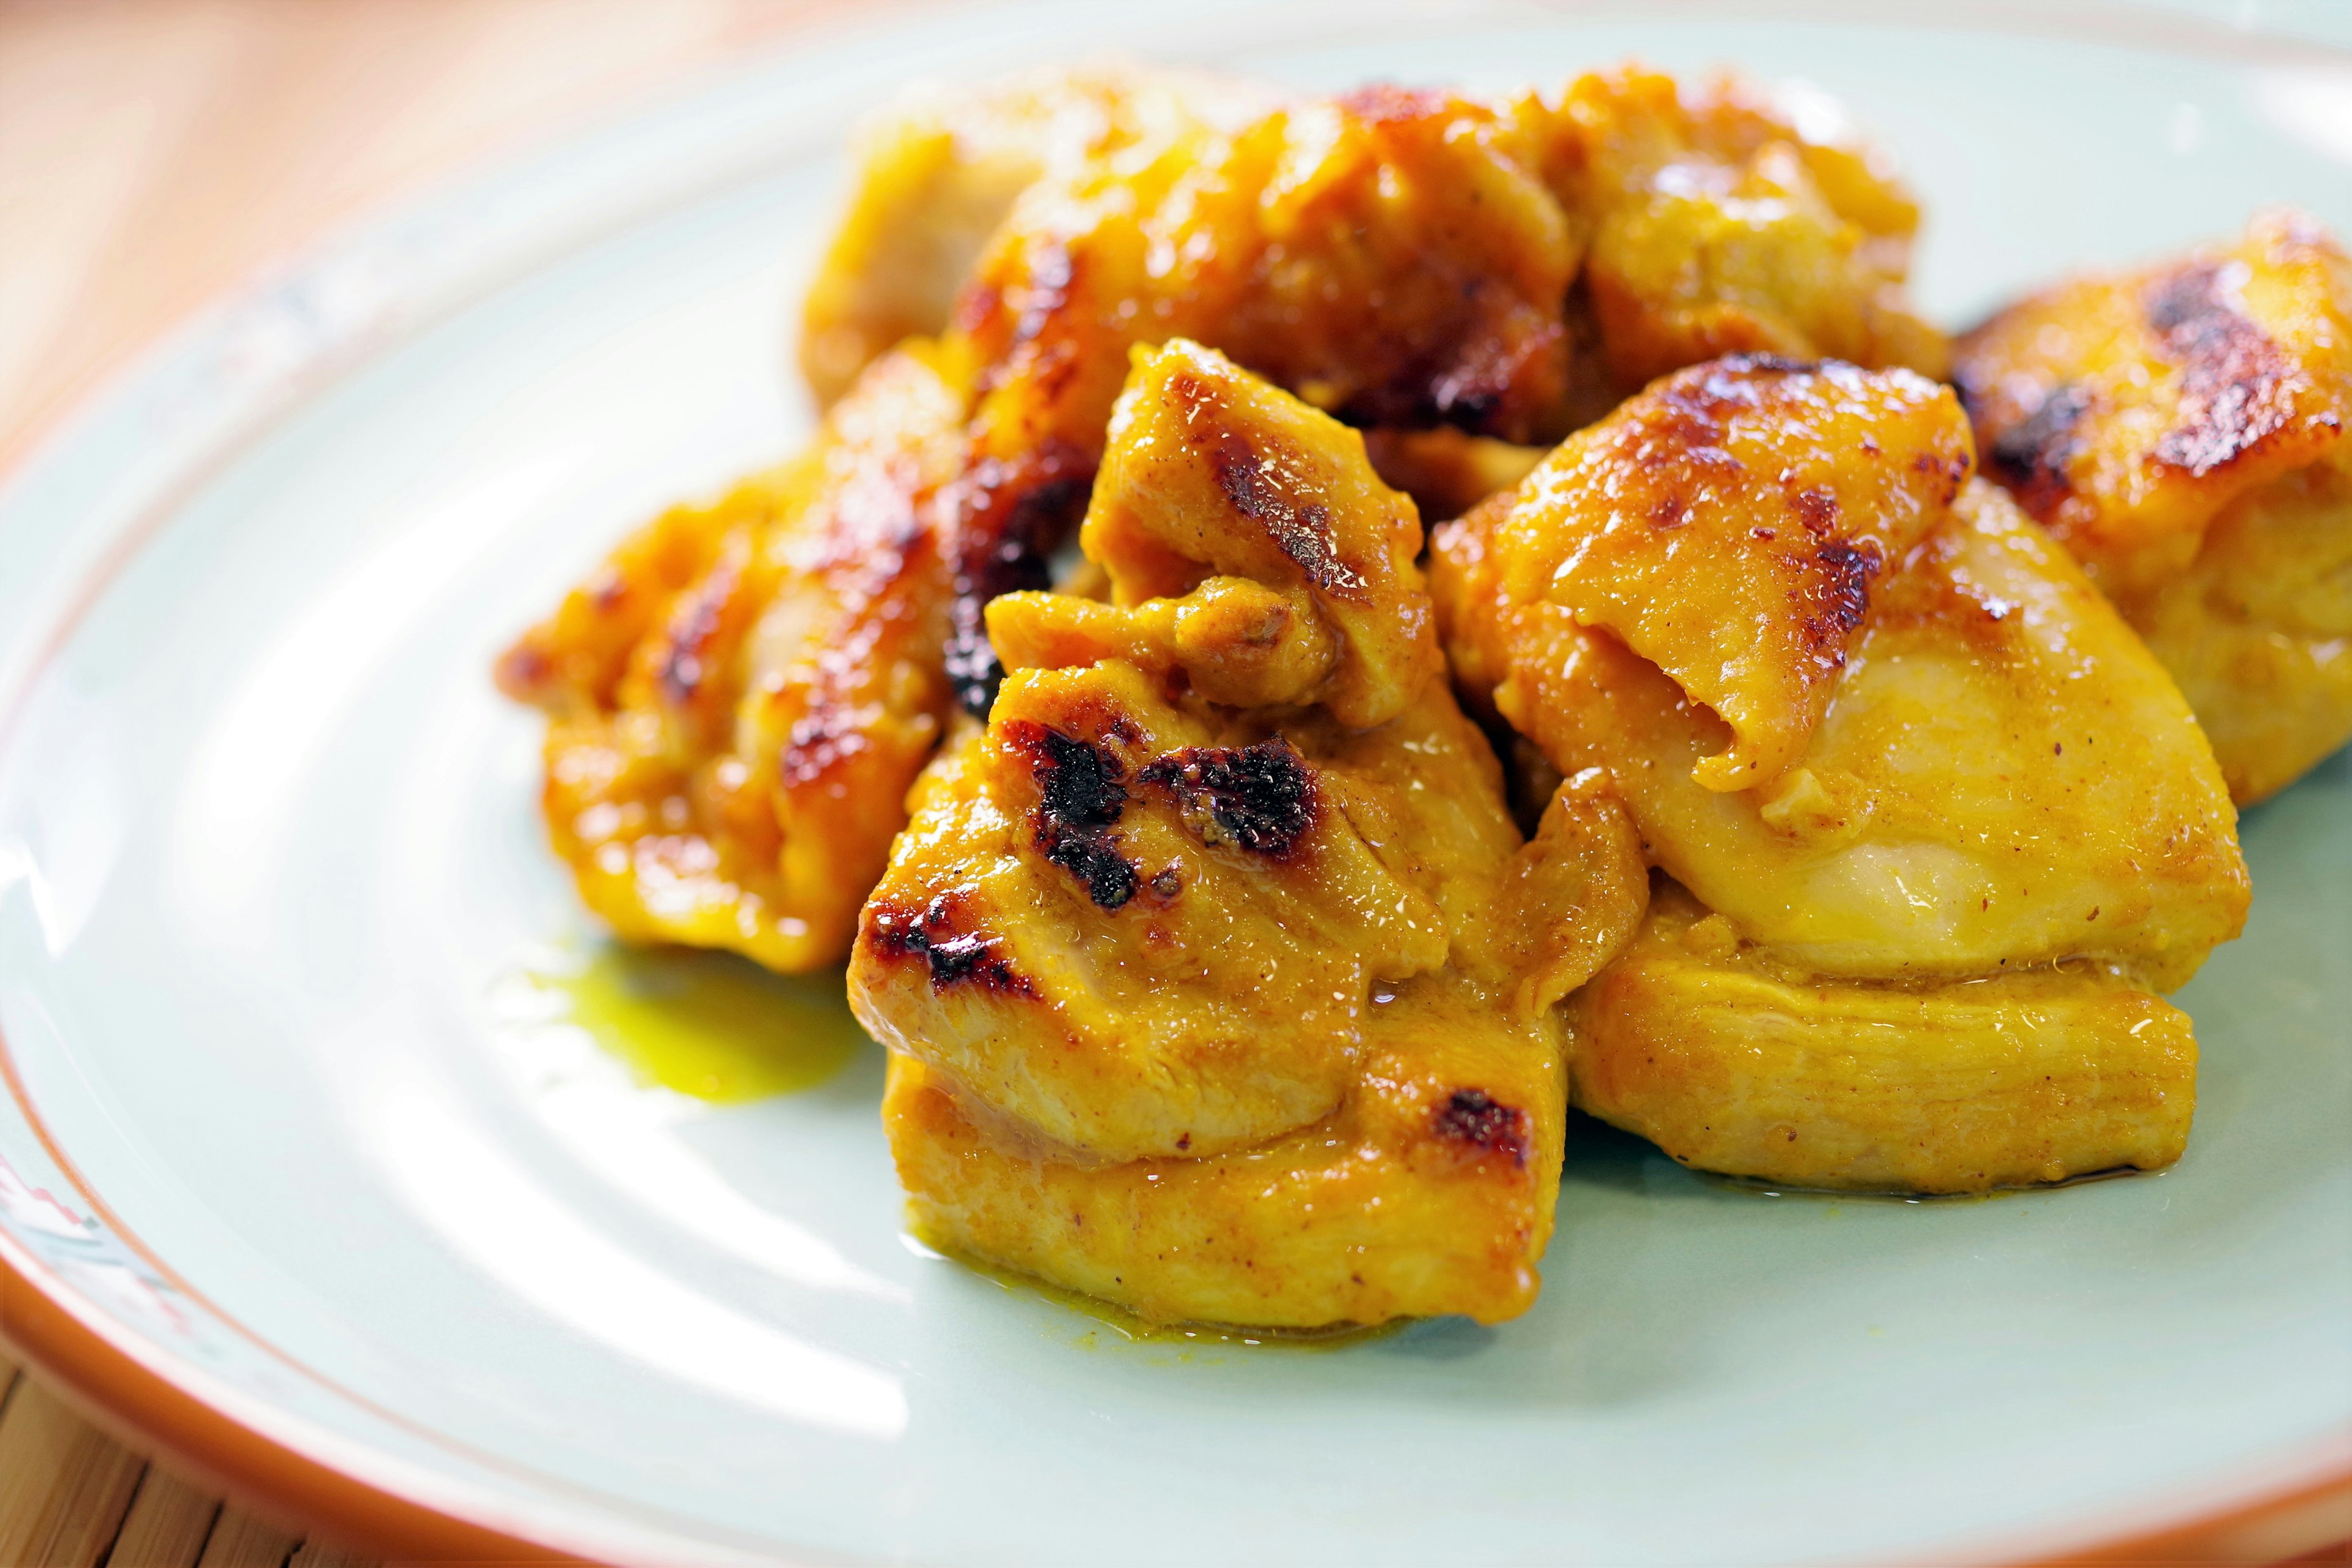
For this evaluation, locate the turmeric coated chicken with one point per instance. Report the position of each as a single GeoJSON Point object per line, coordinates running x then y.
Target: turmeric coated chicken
{"type": "Point", "coordinates": [2182, 429]}
{"type": "Point", "coordinates": [940, 171]}
{"type": "Point", "coordinates": [1649, 228]}
{"type": "Point", "coordinates": [1934, 825]}
{"type": "Point", "coordinates": [740, 695]}
{"type": "Point", "coordinates": [1217, 981]}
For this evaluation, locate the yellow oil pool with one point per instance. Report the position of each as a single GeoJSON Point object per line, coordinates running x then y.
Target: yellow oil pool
{"type": "Point", "coordinates": [709, 1025]}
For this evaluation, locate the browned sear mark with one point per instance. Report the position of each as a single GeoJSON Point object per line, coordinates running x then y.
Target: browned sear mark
{"type": "Point", "coordinates": [693, 626]}
{"type": "Point", "coordinates": [1839, 597]}
{"type": "Point", "coordinates": [1301, 530]}
{"type": "Point", "coordinates": [1817, 509]}
{"type": "Point", "coordinates": [1261, 797]}
{"type": "Point", "coordinates": [2236, 386]}
{"type": "Point", "coordinates": [819, 742]}
{"type": "Point", "coordinates": [1472, 1116]}
{"type": "Point", "coordinates": [1009, 517]}
{"type": "Point", "coordinates": [2032, 456]}
{"type": "Point", "coordinates": [955, 956]}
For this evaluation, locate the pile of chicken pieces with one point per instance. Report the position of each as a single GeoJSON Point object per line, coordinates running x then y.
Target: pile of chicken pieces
{"type": "Point", "coordinates": [1803, 741]}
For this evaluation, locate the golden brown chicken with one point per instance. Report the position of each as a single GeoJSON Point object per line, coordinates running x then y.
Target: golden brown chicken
{"type": "Point", "coordinates": [1619, 230]}
{"type": "Point", "coordinates": [739, 696]}
{"type": "Point", "coordinates": [1715, 225]}
{"type": "Point", "coordinates": [2181, 430]}
{"type": "Point", "coordinates": [939, 173]}
{"type": "Point", "coordinates": [1931, 801]}
{"type": "Point", "coordinates": [1216, 979]}
{"type": "Point", "coordinates": [1400, 258]}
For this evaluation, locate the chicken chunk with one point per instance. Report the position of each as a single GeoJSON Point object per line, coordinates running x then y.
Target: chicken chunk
{"type": "Point", "coordinates": [740, 696]}
{"type": "Point", "coordinates": [1977, 770]}
{"type": "Point", "coordinates": [1236, 1010]}
{"type": "Point", "coordinates": [1717, 226]}
{"type": "Point", "coordinates": [2181, 430]}
{"type": "Point", "coordinates": [939, 173]}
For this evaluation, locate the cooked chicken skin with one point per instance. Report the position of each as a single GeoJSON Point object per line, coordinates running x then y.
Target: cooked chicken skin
{"type": "Point", "coordinates": [1977, 769]}
{"type": "Point", "coordinates": [1235, 1012]}
{"type": "Point", "coordinates": [795, 659]}
{"type": "Point", "coordinates": [1511, 267]}
{"type": "Point", "coordinates": [1716, 227]}
{"type": "Point", "coordinates": [2181, 430]}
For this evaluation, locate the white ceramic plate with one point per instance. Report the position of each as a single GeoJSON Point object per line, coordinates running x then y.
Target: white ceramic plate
{"type": "Point", "coordinates": [293, 1134]}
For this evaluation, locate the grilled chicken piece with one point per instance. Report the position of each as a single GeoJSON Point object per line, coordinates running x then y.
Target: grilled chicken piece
{"type": "Point", "coordinates": [738, 699]}
{"type": "Point", "coordinates": [939, 173]}
{"type": "Point", "coordinates": [795, 648]}
{"type": "Point", "coordinates": [1964, 764]}
{"type": "Point", "coordinates": [2181, 430]}
{"type": "Point", "coordinates": [1717, 226]}
{"type": "Point", "coordinates": [1236, 1006]}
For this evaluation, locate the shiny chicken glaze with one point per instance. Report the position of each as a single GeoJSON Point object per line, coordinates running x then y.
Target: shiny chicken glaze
{"type": "Point", "coordinates": [2182, 429]}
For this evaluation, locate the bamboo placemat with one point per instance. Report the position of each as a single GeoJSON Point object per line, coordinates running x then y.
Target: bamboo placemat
{"type": "Point", "coordinates": [70, 1496]}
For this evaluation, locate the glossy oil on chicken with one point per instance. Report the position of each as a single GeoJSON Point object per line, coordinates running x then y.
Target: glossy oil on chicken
{"type": "Point", "coordinates": [939, 173]}
{"type": "Point", "coordinates": [2182, 429]}
{"type": "Point", "coordinates": [1932, 817]}
{"type": "Point", "coordinates": [740, 695]}
{"type": "Point", "coordinates": [1217, 979]}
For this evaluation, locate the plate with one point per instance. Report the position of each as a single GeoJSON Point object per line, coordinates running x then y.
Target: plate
{"type": "Point", "coordinates": [319, 1166]}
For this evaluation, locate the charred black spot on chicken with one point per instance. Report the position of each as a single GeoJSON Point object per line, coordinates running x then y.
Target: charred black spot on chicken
{"type": "Point", "coordinates": [1010, 518]}
{"type": "Point", "coordinates": [1841, 597]}
{"type": "Point", "coordinates": [1472, 1116]}
{"type": "Point", "coordinates": [1080, 797]}
{"type": "Point", "coordinates": [938, 933]}
{"type": "Point", "coordinates": [1261, 797]}
{"type": "Point", "coordinates": [2032, 456]}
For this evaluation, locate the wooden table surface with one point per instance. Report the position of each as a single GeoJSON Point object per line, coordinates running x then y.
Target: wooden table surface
{"type": "Point", "coordinates": [153, 153]}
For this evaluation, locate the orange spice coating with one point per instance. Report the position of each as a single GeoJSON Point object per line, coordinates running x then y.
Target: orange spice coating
{"type": "Point", "coordinates": [2180, 428]}
{"type": "Point", "coordinates": [1236, 1011]}
{"type": "Point", "coordinates": [1998, 783]}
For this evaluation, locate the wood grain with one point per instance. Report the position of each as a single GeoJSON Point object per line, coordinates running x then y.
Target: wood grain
{"type": "Point", "coordinates": [240, 1541]}
{"type": "Point", "coordinates": [64, 1487]}
{"type": "Point", "coordinates": [167, 1527]}
{"type": "Point", "coordinates": [155, 153]}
